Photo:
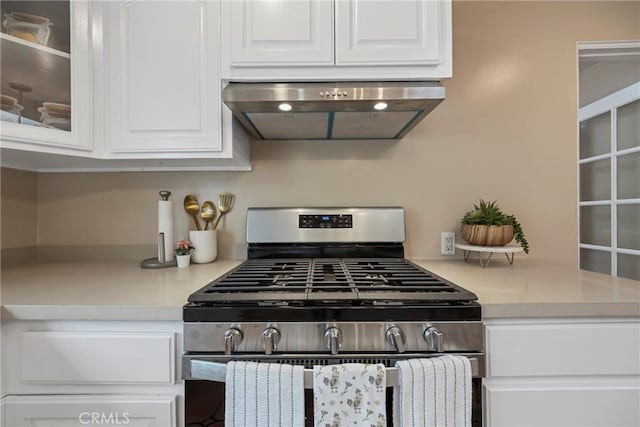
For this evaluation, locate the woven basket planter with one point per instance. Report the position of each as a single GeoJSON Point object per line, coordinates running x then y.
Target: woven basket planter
{"type": "Point", "coordinates": [487, 235]}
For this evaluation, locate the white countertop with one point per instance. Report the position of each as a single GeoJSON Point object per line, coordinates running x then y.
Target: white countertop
{"type": "Point", "coordinates": [124, 291]}
{"type": "Point", "coordinates": [116, 290]}
{"type": "Point", "coordinates": [532, 288]}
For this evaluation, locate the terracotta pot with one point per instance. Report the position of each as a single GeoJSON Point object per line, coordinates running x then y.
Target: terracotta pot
{"type": "Point", "coordinates": [487, 235]}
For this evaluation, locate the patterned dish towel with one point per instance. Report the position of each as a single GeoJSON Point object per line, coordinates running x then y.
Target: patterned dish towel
{"type": "Point", "coordinates": [433, 392]}
{"type": "Point", "coordinates": [351, 394]}
{"type": "Point", "coordinates": [264, 394]}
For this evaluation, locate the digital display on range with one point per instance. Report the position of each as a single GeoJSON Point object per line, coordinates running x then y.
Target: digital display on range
{"type": "Point", "coordinates": [325, 221]}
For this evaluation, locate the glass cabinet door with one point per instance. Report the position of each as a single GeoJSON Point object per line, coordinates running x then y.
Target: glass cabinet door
{"type": "Point", "coordinates": [46, 87]}
{"type": "Point", "coordinates": [36, 68]}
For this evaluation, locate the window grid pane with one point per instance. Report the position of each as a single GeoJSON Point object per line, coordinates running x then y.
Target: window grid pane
{"type": "Point", "coordinates": [629, 266]}
{"type": "Point", "coordinates": [597, 261]}
{"type": "Point", "coordinates": [628, 125]}
{"type": "Point", "coordinates": [595, 136]}
{"type": "Point", "coordinates": [595, 180]}
{"type": "Point", "coordinates": [628, 174]}
{"type": "Point", "coordinates": [629, 227]}
{"type": "Point", "coordinates": [595, 225]}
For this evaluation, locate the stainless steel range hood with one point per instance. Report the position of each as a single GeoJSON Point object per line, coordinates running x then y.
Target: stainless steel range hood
{"type": "Point", "coordinates": [346, 110]}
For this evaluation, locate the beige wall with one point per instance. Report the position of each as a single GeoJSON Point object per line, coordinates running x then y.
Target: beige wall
{"type": "Point", "coordinates": [18, 216]}
{"type": "Point", "coordinates": [19, 197]}
{"type": "Point", "coordinates": [506, 132]}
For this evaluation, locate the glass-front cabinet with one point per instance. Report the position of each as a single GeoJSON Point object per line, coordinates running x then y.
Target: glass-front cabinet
{"type": "Point", "coordinates": [46, 74]}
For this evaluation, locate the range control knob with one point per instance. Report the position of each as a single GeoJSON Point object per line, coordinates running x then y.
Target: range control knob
{"type": "Point", "coordinates": [396, 338]}
{"type": "Point", "coordinates": [333, 339]}
{"type": "Point", "coordinates": [232, 339]}
{"type": "Point", "coordinates": [270, 338]}
{"type": "Point", "coordinates": [434, 338]}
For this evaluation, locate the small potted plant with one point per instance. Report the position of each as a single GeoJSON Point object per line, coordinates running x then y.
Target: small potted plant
{"type": "Point", "coordinates": [183, 252]}
{"type": "Point", "coordinates": [487, 225]}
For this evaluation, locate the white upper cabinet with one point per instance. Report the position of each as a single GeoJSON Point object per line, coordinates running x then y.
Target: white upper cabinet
{"type": "Point", "coordinates": [162, 86]}
{"type": "Point", "coordinates": [145, 91]}
{"type": "Point", "coordinates": [46, 76]}
{"type": "Point", "coordinates": [336, 39]}
{"type": "Point", "coordinates": [396, 32]}
{"type": "Point", "coordinates": [281, 32]}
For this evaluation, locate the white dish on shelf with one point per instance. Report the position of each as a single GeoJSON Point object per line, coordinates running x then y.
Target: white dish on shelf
{"type": "Point", "coordinates": [8, 101]}
{"type": "Point", "coordinates": [16, 109]}
{"type": "Point", "coordinates": [48, 114]}
{"type": "Point", "coordinates": [57, 123]}
{"type": "Point", "coordinates": [58, 109]}
{"type": "Point", "coordinates": [10, 104]}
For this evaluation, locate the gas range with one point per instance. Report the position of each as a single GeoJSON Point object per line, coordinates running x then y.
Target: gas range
{"type": "Point", "coordinates": [323, 286]}
{"type": "Point", "coordinates": [320, 266]}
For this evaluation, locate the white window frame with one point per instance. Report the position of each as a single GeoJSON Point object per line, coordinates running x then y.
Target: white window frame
{"type": "Point", "coordinates": [610, 104]}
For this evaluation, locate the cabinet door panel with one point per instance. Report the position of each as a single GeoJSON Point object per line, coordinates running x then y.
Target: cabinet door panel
{"type": "Point", "coordinates": [563, 349]}
{"type": "Point", "coordinates": [61, 357]}
{"type": "Point", "coordinates": [163, 93]}
{"type": "Point", "coordinates": [68, 411]}
{"type": "Point", "coordinates": [571, 404]}
{"type": "Point", "coordinates": [392, 32]}
{"type": "Point", "coordinates": [277, 32]}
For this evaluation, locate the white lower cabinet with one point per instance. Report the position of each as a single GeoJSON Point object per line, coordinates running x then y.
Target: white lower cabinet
{"type": "Point", "coordinates": [71, 410]}
{"type": "Point", "coordinates": [73, 373]}
{"type": "Point", "coordinates": [561, 372]}
{"type": "Point", "coordinates": [566, 402]}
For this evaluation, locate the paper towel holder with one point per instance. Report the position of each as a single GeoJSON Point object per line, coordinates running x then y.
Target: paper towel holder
{"type": "Point", "coordinates": [160, 262]}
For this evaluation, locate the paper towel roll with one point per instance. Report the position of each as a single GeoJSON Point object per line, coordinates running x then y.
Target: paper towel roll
{"type": "Point", "coordinates": [165, 225]}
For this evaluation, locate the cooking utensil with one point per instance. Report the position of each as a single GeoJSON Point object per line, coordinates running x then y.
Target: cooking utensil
{"type": "Point", "coordinates": [207, 212]}
{"type": "Point", "coordinates": [225, 203]}
{"type": "Point", "coordinates": [192, 207]}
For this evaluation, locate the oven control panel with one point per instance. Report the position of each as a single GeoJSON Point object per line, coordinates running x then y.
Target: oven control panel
{"type": "Point", "coordinates": [325, 221]}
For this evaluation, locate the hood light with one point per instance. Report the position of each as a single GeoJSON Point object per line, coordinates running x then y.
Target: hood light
{"type": "Point", "coordinates": [380, 106]}
{"type": "Point", "coordinates": [285, 107]}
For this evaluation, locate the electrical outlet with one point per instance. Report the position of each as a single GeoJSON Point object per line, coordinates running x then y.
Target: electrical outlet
{"type": "Point", "coordinates": [447, 243]}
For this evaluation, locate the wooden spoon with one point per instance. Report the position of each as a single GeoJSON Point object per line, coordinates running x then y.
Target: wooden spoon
{"type": "Point", "coordinates": [192, 207]}
{"type": "Point", "coordinates": [207, 212]}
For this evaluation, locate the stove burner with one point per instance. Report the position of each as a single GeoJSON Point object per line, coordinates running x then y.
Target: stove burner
{"type": "Point", "coordinates": [376, 277]}
{"type": "Point", "coordinates": [281, 279]}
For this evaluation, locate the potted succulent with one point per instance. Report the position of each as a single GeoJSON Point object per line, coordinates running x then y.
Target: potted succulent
{"type": "Point", "coordinates": [487, 225]}
{"type": "Point", "coordinates": [183, 252]}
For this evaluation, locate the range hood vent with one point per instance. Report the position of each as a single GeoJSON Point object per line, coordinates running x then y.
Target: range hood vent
{"type": "Point", "coordinates": [347, 110]}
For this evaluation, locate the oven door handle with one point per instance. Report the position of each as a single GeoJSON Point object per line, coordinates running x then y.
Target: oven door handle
{"type": "Point", "coordinates": [217, 371]}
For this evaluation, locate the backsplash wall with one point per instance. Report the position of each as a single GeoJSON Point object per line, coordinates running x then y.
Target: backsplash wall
{"type": "Point", "coordinates": [507, 131]}
{"type": "Point", "coordinates": [19, 215]}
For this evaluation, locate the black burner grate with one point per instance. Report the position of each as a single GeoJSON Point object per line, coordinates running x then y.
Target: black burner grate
{"type": "Point", "coordinates": [315, 280]}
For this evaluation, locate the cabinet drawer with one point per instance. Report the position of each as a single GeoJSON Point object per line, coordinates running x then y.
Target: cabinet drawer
{"type": "Point", "coordinates": [573, 403]}
{"type": "Point", "coordinates": [71, 410]}
{"type": "Point", "coordinates": [563, 349]}
{"type": "Point", "coordinates": [55, 357]}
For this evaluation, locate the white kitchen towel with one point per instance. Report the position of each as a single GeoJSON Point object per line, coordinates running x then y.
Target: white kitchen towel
{"type": "Point", "coordinates": [350, 394]}
{"type": "Point", "coordinates": [433, 392]}
{"type": "Point", "coordinates": [264, 394]}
